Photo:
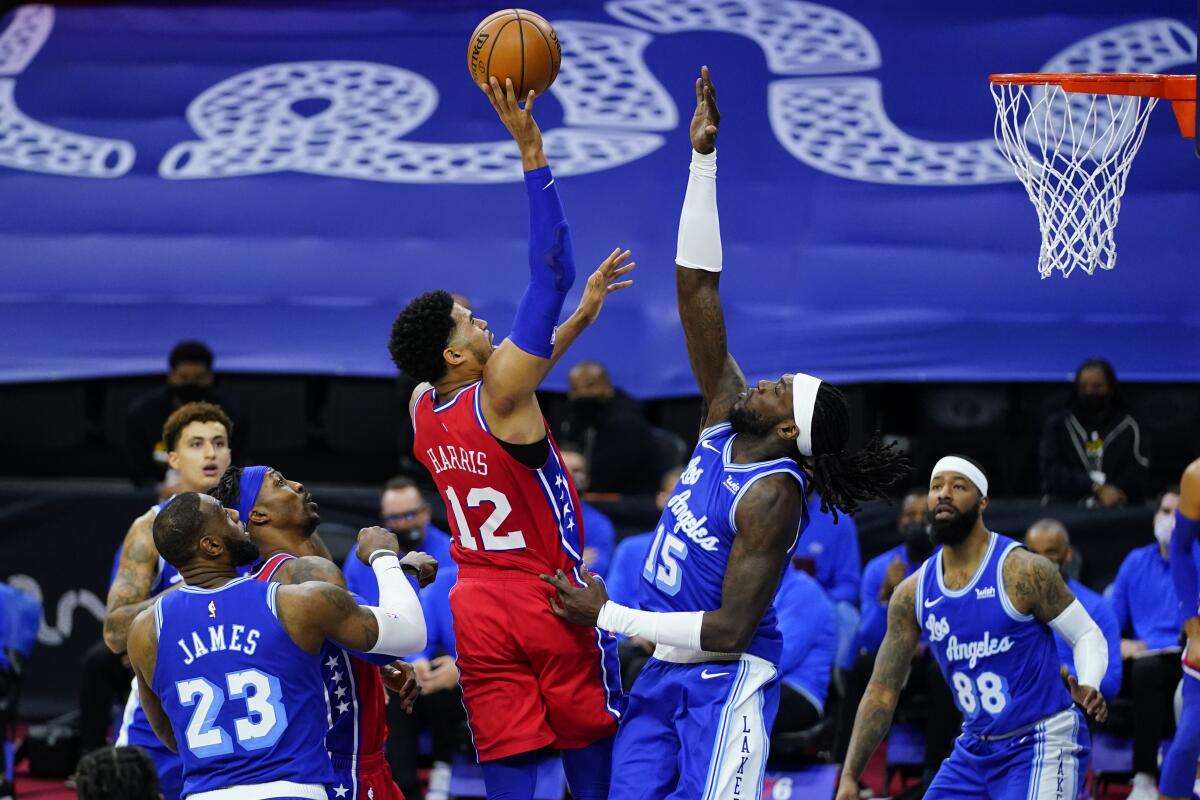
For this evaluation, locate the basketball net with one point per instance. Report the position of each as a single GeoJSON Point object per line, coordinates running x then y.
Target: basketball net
{"type": "Point", "coordinates": [1072, 153]}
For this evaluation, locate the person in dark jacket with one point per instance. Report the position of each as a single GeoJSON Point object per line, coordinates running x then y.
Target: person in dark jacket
{"type": "Point", "coordinates": [618, 443]}
{"type": "Point", "coordinates": [1093, 453]}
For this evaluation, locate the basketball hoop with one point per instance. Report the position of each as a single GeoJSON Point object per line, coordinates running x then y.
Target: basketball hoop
{"type": "Point", "coordinates": [1071, 138]}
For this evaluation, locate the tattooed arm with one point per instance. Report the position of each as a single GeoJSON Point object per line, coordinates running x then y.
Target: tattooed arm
{"type": "Point", "coordinates": [315, 611]}
{"type": "Point", "coordinates": [892, 663]}
{"type": "Point", "coordinates": [130, 590]}
{"type": "Point", "coordinates": [1035, 586]}
{"type": "Point", "coordinates": [143, 657]}
{"type": "Point", "coordinates": [310, 568]}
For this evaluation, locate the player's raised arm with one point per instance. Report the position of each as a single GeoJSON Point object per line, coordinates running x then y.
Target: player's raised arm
{"type": "Point", "coordinates": [878, 704]}
{"type": "Point", "coordinates": [143, 657]}
{"type": "Point", "coordinates": [315, 611]}
{"type": "Point", "coordinates": [698, 265]}
{"type": "Point", "coordinates": [127, 596]}
{"type": "Point", "coordinates": [1037, 588]}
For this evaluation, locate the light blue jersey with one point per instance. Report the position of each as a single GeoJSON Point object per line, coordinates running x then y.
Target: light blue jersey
{"type": "Point", "coordinates": [247, 705]}
{"type": "Point", "coordinates": [685, 568]}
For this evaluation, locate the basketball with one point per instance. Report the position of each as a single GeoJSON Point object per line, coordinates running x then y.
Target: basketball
{"type": "Point", "coordinates": [517, 44]}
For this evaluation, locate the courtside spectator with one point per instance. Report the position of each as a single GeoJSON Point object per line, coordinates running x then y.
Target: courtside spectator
{"type": "Point", "coordinates": [807, 622]}
{"type": "Point", "coordinates": [1093, 453]}
{"type": "Point", "coordinates": [829, 551]}
{"type": "Point", "coordinates": [599, 536]}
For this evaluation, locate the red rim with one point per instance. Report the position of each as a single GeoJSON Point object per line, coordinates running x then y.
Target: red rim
{"type": "Point", "coordinates": [1169, 87]}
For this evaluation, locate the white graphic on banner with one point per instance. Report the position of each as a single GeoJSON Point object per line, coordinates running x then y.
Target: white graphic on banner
{"type": "Point", "coordinates": [839, 126]}
{"type": "Point", "coordinates": [68, 604]}
{"type": "Point", "coordinates": [797, 38]}
{"type": "Point", "coordinates": [348, 119]}
{"type": "Point", "coordinates": [31, 145]}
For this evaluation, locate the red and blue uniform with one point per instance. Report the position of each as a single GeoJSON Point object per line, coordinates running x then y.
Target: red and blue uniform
{"type": "Point", "coordinates": [355, 704]}
{"type": "Point", "coordinates": [529, 679]}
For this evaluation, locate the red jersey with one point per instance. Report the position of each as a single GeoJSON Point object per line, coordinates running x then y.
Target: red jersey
{"type": "Point", "coordinates": [503, 515]}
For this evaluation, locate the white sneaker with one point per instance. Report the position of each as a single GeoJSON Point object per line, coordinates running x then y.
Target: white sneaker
{"type": "Point", "coordinates": [1144, 787]}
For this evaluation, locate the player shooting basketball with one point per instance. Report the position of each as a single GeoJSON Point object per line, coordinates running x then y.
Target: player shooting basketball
{"type": "Point", "coordinates": [529, 680]}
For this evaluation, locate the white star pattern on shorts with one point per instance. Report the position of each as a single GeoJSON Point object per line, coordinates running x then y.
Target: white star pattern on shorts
{"type": "Point", "coordinates": [340, 692]}
{"type": "Point", "coordinates": [336, 677]}
{"type": "Point", "coordinates": [341, 791]}
{"type": "Point", "coordinates": [343, 707]}
{"type": "Point", "coordinates": [331, 663]}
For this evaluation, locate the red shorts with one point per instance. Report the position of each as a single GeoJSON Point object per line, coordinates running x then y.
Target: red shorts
{"type": "Point", "coordinates": [529, 679]}
{"type": "Point", "coordinates": [365, 778]}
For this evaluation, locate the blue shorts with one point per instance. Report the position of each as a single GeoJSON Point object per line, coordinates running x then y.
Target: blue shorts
{"type": "Point", "coordinates": [696, 731]}
{"type": "Point", "coordinates": [1045, 763]}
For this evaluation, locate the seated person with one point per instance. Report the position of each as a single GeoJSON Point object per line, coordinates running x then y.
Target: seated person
{"type": "Point", "coordinates": [806, 620]}
{"type": "Point", "coordinates": [1049, 538]}
{"type": "Point", "coordinates": [598, 533]}
{"type": "Point", "coordinates": [1143, 599]}
{"type": "Point", "coordinates": [831, 549]}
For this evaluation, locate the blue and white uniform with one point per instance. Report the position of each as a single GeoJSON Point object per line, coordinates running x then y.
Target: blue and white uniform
{"type": "Point", "coordinates": [247, 705]}
{"type": "Point", "coordinates": [1022, 738]}
{"type": "Point", "coordinates": [135, 728]}
{"type": "Point", "coordinates": [698, 724]}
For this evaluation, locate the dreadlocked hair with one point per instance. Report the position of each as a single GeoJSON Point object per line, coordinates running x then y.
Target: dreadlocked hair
{"type": "Point", "coordinates": [229, 489]}
{"type": "Point", "coordinates": [845, 480]}
{"type": "Point", "coordinates": [420, 334]}
{"type": "Point", "coordinates": [110, 773]}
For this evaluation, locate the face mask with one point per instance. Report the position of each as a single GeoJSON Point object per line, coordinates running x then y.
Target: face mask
{"type": "Point", "coordinates": [1093, 403]}
{"type": "Point", "coordinates": [917, 543]}
{"type": "Point", "coordinates": [588, 408]}
{"type": "Point", "coordinates": [1163, 526]}
{"type": "Point", "coordinates": [190, 393]}
{"type": "Point", "coordinates": [410, 539]}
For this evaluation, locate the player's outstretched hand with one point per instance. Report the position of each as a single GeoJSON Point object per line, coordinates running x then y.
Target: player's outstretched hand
{"type": "Point", "coordinates": [604, 281]}
{"type": "Point", "coordinates": [575, 604]}
{"type": "Point", "coordinates": [375, 538]}
{"type": "Point", "coordinates": [422, 565]}
{"type": "Point", "coordinates": [519, 121]}
{"type": "Point", "coordinates": [401, 678]}
{"type": "Point", "coordinates": [1089, 699]}
{"type": "Point", "coordinates": [707, 119]}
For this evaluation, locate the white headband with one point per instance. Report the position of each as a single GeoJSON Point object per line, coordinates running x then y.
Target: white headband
{"type": "Point", "coordinates": [804, 401]}
{"type": "Point", "coordinates": [962, 467]}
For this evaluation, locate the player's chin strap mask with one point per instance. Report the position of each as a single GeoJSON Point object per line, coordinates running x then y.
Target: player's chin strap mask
{"type": "Point", "coordinates": [804, 403]}
{"type": "Point", "coordinates": [963, 467]}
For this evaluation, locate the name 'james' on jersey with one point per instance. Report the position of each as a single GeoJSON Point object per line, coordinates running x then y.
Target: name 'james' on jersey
{"type": "Point", "coordinates": [1001, 665]}
{"type": "Point", "coordinates": [685, 568]}
{"type": "Point", "coordinates": [503, 514]}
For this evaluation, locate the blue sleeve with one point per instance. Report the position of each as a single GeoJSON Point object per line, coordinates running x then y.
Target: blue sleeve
{"type": "Point", "coordinates": [1120, 595]}
{"type": "Point", "coordinates": [872, 626]}
{"type": "Point", "coordinates": [1183, 565]}
{"type": "Point", "coordinates": [626, 569]}
{"type": "Point", "coordinates": [1110, 686]}
{"type": "Point", "coordinates": [359, 578]}
{"type": "Point", "coordinates": [847, 571]}
{"type": "Point", "coordinates": [551, 267]}
{"type": "Point", "coordinates": [599, 535]}
{"type": "Point", "coordinates": [798, 635]}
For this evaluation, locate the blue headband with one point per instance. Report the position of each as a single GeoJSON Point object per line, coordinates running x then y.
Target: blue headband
{"type": "Point", "coordinates": [248, 486]}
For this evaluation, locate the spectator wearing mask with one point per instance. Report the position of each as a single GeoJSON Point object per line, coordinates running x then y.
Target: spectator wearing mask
{"type": "Point", "coordinates": [624, 582]}
{"type": "Point", "coordinates": [1049, 538]}
{"type": "Point", "coordinates": [808, 625]}
{"type": "Point", "coordinates": [1143, 599]}
{"type": "Point", "coordinates": [829, 552]}
{"type": "Point", "coordinates": [404, 511]}
{"type": "Point", "coordinates": [618, 443]}
{"type": "Point", "coordinates": [599, 536]}
{"type": "Point", "coordinates": [880, 578]}
{"type": "Point", "coordinates": [190, 379]}
{"type": "Point", "coordinates": [1093, 453]}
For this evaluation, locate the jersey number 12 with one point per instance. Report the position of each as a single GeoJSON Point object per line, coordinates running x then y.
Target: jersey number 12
{"type": "Point", "coordinates": [501, 508]}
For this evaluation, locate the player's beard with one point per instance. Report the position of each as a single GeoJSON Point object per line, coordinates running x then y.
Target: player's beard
{"type": "Point", "coordinates": [241, 550]}
{"type": "Point", "coordinates": [751, 423]}
{"type": "Point", "coordinates": [953, 530]}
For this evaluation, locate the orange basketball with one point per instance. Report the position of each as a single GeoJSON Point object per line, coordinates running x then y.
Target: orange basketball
{"type": "Point", "coordinates": [517, 44]}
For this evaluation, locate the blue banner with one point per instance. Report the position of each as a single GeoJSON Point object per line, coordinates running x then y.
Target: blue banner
{"type": "Point", "coordinates": [278, 180]}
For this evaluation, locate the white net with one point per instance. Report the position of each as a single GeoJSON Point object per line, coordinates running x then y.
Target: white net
{"type": "Point", "coordinates": [1072, 152]}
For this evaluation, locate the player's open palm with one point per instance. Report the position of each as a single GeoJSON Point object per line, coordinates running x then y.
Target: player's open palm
{"type": "Point", "coordinates": [608, 278]}
{"type": "Point", "coordinates": [707, 119]}
{"type": "Point", "coordinates": [518, 120]}
{"type": "Point", "coordinates": [580, 605]}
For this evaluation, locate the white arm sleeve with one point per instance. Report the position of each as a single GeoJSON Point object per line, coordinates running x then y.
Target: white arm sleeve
{"type": "Point", "coordinates": [1087, 643]}
{"type": "Point", "coordinates": [675, 629]}
{"type": "Point", "coordinates": [401, 621]}
{"type": "Point", "coordinates": [699, 243]}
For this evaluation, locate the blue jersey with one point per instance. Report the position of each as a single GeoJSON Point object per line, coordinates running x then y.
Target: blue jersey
{"type": "Point", "coordinates": [1001, 665]}
{"type": "Point", "coordinates": [685, 567]}
{"type": "Point", "coordinates": [246, 703]}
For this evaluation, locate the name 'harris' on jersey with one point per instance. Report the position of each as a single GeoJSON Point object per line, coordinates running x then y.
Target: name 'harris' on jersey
{"type": "Point", "coordinates": [685, 568]}
{"type": "Point", "coordinates": [246, 703]}
{"type": "Point", "coordinates": [1001, 666]}
{"type": "Point", "coordinates": [503, 514]}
